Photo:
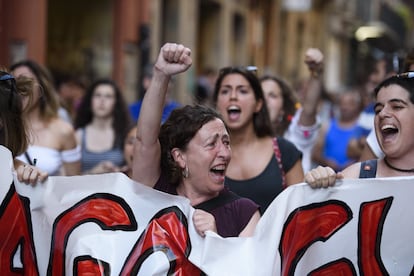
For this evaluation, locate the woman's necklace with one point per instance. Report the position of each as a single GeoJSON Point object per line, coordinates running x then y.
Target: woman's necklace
{"type": "Point", "coordinates": [397, 169]}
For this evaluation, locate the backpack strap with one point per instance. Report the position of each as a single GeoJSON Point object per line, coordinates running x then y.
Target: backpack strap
{"type": "Point", "coordinates": [368, 169]}
{"type": "Point", "coordinates": [278, 155]}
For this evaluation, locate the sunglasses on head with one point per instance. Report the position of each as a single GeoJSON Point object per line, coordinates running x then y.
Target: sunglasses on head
{"type": "Point", "coordinates": [6, 77]}
{"type": "Point", "coordinates": [406, 75]}
{"type": "Point", "coordinates": [250, 69]}
{"type": "Point", "coordinates": [9, 87]}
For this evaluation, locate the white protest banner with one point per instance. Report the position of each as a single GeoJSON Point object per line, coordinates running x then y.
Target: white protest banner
{"type": "Point", "coordinates": [109, 225]}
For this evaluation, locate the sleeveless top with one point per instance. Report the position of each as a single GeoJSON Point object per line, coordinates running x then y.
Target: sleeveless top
{"type": "Point", "coordinates": [91, 159]}
{"type": "Point", "coordinates": [48, 159]}
{"type": "Point", "coordinates": [231, 212]}
{"type": "Point", "coordinates": [336, 142]}
{"type": "Point", "coordinates": [264, 187]}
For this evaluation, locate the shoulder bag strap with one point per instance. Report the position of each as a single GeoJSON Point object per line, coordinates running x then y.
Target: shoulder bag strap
{"type": "Point", "coordinates": [29, 160]}
{"type": "Point", "coordinates": [278, 155]}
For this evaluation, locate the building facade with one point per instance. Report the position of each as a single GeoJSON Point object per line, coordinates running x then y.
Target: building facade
{"type": "Point", "coordinates": [118, 38]}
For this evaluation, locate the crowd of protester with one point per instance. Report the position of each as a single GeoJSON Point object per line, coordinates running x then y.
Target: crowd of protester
{"type": "Point", "coordinates": [246, 137]}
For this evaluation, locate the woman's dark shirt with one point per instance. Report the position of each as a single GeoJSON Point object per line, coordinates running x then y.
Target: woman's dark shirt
{"type": "Point", "coordinates": [264, 187]}
{"type": "Point", "coordinates": [231, 212]}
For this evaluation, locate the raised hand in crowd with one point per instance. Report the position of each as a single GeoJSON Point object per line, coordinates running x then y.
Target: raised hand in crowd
{"type": "Point", "coordinates": [314, 61]}
{"type": "Point", "coordinates": [172, 59]}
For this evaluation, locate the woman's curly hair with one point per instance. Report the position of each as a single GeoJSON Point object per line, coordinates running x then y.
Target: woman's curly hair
{"type": "Point", "coordinates": [177, 131]}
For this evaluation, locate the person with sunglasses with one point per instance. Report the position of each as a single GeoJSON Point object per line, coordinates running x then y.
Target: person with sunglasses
{"type": "Point", "coordinates": [13, 132]}
{"type": "Point", "coordinates": [263, 165]}
{"type": "Point", "coordinates": [394, 129]}
{"type": "Point", "coordinates": [189, 154]}
{"type": "Point", "coordinates": [371, 148]}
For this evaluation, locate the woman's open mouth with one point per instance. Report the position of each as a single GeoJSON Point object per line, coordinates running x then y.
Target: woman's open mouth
{"type": "Point", "coordinates": [233, 112]}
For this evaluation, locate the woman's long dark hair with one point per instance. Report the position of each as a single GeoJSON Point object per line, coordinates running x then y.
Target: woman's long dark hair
{"type": "Point", "coordinates": [289, 103]}
{"type": "Point", "coordinates": [121, 117]}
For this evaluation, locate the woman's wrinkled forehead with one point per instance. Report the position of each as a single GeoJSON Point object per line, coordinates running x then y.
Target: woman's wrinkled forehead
{"type": "Point", "coordinates": [213, 128]}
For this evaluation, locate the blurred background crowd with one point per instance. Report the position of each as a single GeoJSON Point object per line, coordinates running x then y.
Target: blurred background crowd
{"type": "Point", "coordinates": [99, 51]}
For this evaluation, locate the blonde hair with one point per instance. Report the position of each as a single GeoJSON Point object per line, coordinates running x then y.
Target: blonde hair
{"type": "Point", "coordinates": [49, 102]}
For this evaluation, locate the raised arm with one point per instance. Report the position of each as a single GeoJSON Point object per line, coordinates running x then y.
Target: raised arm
{"type": "Point", "coordinates": [172, 59]}
{"type": "Point", "coordinates": [314, 61]}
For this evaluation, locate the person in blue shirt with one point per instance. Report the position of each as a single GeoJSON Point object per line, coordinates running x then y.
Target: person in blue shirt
{"type": "Point", "coordinates": [331, 146]}
{"type": "Point", "coordinates": [169, 106]}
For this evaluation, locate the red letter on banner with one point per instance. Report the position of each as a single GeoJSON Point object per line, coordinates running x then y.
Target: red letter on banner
{"type": "Point", "coordinates": [87, 265]}
{"type": "Point", "coordinates": [308, 224]}
{"type": "Point", "coordinates": [371, 221]}
{"type": "Point", "coordinates": [16, 231]}
{"type": "Point", "coordinates": [341, 267]}
{"type": "Point", "coordinates": [110, 212]}
{"type": "Point", "coordinates": [167, 232]}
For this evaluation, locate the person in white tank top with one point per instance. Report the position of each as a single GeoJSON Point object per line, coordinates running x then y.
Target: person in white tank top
{"type": "Point", "coordinates": [52, 141]}
{"type": "Point", "coordinates": [13, 132]}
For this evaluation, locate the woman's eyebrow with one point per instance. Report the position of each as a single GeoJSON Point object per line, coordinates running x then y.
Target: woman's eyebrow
{"type": "Point", "coordinates": [377, 104]}
{"type": "Point", "coordinates": [396, 100]}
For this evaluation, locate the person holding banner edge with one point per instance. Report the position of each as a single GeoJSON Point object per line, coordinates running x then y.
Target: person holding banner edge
{"type": "Point", "coordinates": [52, 139]}
{"type": "Point", "coordinates": [13, 133]}
{"type": "Point", "coordinates": [394, 128]}
{"type": "Point", "coordinates": [193, 151]}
